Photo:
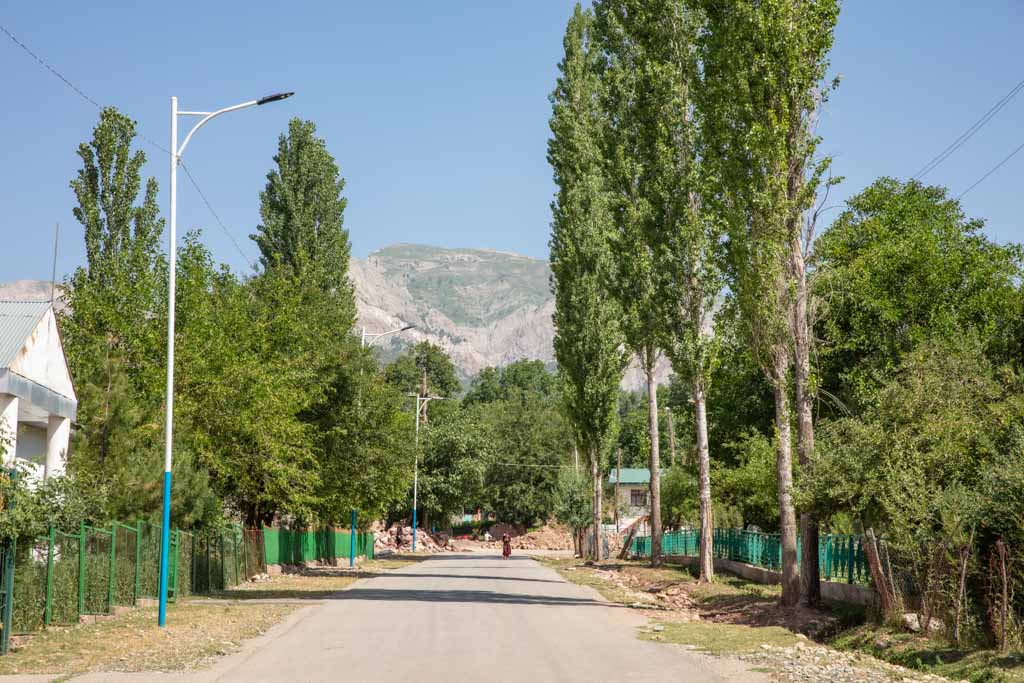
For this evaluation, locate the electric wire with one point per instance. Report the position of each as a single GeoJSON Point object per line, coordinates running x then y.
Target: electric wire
{"type": "Point", "coordinates": [995, 168]}
{"type": "Point", "coordinates": [970, 132]}
{"type": "Point", "coordinates": [141, 136]}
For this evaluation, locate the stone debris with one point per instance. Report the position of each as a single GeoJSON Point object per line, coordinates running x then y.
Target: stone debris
{"type": "Point", "coordinates": [549, 537]}
{"type": "Point", "coordinates": [806, 663]}
{"type": "Point", "coordinates": [386, 541]}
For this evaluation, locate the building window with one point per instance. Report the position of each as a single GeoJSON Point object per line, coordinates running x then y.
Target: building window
{"type": "Point", "coordinates": [638, 498]}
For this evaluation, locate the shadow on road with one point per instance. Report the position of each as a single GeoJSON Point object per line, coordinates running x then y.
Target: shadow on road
{"type": "Point", "coordinates": [467, 596]}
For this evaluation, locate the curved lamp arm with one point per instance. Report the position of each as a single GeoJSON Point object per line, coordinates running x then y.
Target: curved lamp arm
{"type": "Point", "coordinates": [207, 116]}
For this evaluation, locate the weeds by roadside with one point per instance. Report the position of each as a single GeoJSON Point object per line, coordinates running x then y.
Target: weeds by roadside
{"type": "Point", "coordinates": [133, 641]}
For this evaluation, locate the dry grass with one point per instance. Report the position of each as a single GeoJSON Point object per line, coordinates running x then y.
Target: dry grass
{"type": "Point", "coordinates": [721, 639]}
{"type": "Point", "coordinates": [315, 583]}
{"type": "Point", "coordinates": [133, 642]}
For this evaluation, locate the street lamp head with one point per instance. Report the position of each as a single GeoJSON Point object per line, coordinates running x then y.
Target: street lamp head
{"type": "Point", "coordinates": [274, 98]}
{"type": "Point", "coordinates": [408, 327]}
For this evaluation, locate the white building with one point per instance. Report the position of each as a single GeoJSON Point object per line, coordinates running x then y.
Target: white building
{"type": "Point", "coordinates": [37, 399]}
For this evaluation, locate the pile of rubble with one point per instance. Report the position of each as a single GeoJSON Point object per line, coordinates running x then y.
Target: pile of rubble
{"type": "Point", "coordinates": [544, 538]}
{"type": "Point", "coordinates": [398, 539]}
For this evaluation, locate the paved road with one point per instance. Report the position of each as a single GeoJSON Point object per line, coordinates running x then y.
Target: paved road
{"type": "Point", "coordinates": [466, 618]}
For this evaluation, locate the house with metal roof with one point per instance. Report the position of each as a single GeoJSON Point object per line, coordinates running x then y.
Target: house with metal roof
{"type": "Point", "coordinates": [37, 397]}
{"type": "Point", "coordinates": [632, 486]}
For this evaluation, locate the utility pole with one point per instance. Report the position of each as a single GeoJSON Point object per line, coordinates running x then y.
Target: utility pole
{"type": "Point", "coordinates": [671, 437]}
{"type": "Point", "coordinates": [421, 405]}
{"type": "Point", "coordinates": [618, 483]}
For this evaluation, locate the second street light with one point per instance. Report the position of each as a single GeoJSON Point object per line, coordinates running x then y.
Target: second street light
{"type": "Point", "coordinates": [368, 339]}
{"type": "Point", "coordinates": [176, 152]}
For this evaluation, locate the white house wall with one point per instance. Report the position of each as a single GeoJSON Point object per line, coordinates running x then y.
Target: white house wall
{"type": "Point", "coordinates": [42, 359]}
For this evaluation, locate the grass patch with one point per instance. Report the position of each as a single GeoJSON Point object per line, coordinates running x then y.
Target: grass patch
{"type": "Point", "coordinates": [574, 571]}
{"type": "Point", "coordinates": [933, 655]}
{"type": "Point", "coordinates": [721, 639]}
{"type": "Point", "coordinates": [133, 641]}
{"type": "Point", "coordinates": [316, 583]}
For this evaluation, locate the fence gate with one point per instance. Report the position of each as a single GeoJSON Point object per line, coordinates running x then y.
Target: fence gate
{"type": "Point", "coordinates": [6, 592]}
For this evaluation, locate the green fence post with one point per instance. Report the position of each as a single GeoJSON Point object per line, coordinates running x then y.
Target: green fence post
{"type": "Point", "coordinates": [81, 569]}
{"type": "Point", "coordinates": [51, 541]}
{"type": "Point", "coordinates": [850, 546]}
{"type": "Point", "coordinates": [138, 560]}
{"type": "Point", "coordinates": [10, 550]}
{"type": "Point", "coordinates": [113, 567]}
{"type": "Point", "coordinates": [177, 558]}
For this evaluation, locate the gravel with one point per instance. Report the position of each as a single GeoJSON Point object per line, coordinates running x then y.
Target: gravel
{"type": "Point", "coordinates": [810, 663]}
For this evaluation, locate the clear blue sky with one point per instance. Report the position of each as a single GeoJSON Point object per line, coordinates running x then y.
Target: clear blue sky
{"type": "Point", "coordinates": [437, 112]}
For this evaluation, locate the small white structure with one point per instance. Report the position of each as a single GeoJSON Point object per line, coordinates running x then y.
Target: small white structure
{"type": "Point", "coordinates": [37, 399]}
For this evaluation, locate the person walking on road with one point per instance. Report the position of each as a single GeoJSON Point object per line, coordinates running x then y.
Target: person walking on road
{"type": "Point", "coordinates": [506, 545]}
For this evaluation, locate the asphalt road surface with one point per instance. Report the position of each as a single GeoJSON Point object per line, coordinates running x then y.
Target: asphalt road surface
{"type": "Point", "coordinates": [471, 617]}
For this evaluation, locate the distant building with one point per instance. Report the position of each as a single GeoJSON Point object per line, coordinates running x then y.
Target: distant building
{"type": "Point", "coordinates": [37, 398]}
{"type": "Point", "coordinates": [632, 492]}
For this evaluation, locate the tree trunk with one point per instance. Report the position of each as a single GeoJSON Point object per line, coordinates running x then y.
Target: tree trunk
{"type": "Point", "coordinates": [705, 560]}
{"type": "Point", "coordinates": [655, 459]}
{"type": "Point", "coordinates": [810, 576]}
{"type": "Point", "coordinates": [784, 473]}
{"type": "Point", "coordinates": [595, 472]}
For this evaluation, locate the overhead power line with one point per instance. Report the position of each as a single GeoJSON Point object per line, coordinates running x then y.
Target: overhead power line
{"type": "Point", "coordinates": [969, 133]}
{"type": "Point", "coordinates": [995, 168]}
{"type": "Point", "coordinates": [81, 93]}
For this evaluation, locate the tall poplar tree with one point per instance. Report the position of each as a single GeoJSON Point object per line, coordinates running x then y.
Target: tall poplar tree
{"type": "Point", "coordinates": [763, 67]}
{"type": "Point", "coordinates": [680, 229]}
{"type": "Point", "coordinates": [588, 340]}
{"type": "Point", "coordinates": [634, 277]}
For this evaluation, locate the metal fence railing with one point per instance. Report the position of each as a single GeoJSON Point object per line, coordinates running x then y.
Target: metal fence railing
{"type": "Point", "coordinates": [840, 556]}
{"type": "Point", "coordinates": [66, 575]}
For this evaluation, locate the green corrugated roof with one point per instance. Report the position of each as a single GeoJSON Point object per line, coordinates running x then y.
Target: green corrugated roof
{"type": "Point", "coordinates": [632, 475]}
{"type": "Point", "coordinates": [17, 321]}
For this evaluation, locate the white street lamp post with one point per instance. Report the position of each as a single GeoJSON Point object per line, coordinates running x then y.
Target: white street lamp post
{"type": "Point", "coordinates": [176, 153]}
{"type": "Point", "coordinates": [368, 339]}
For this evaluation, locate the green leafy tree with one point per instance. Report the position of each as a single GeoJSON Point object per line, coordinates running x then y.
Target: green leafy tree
{"type": "Point", "coordinates": [763, 65]}
{"type": "Point", "coordinates": [247, 386]}
{"type": "Point", "coordinates": [113, 332]}
{"type": "Point", "coordinates": [573, 505]}
{"type": "Point", "coordinates": [451, 472]}
{"type": "Point", "coordinates": [367, 438]}
{"type": "Point", "coordinates": [587, 336]}
{"type": "Point", "coordinates": [302, 209]}
{"type": "Point", "coordinates": [902, 264]}
{"type": "Point", "coordinates": [622, 27]}
{"type": "Point", "coordinates": [680, 496]}
{"type": "Point", "coordinates": [407, 371]}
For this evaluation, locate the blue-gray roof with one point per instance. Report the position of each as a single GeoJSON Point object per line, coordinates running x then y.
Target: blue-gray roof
{"type": "Point", "coordinates": [17, 321]}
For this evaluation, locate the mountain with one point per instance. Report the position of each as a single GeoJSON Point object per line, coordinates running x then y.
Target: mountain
{"type": "Point", "coordinates": [484, 308]}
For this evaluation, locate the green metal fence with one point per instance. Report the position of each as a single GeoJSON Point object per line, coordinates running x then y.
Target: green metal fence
{"type": "Point", "coordinates": [840, 556]}
{"type": "Point", "coordinates": [65, 575]}
{"type": "Point", "coordinates": [287, 546]}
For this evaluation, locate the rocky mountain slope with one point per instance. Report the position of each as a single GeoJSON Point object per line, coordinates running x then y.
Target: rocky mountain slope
{"type": "Point", "coordinates": [484, 308]}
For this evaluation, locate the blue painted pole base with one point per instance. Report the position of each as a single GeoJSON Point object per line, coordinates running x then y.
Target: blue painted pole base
{"type": "Point", "coordinates": [414, 530]}
{"type": "Point", "coordinates": [165, 549]}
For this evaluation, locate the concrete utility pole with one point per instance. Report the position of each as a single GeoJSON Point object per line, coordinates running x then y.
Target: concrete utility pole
{"type": "Point", "coordinates": [671, 437]}
{"type": "Point", "coordinates": [421, 405]}
{"type": "Point", "coordinates": [618, 483]}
